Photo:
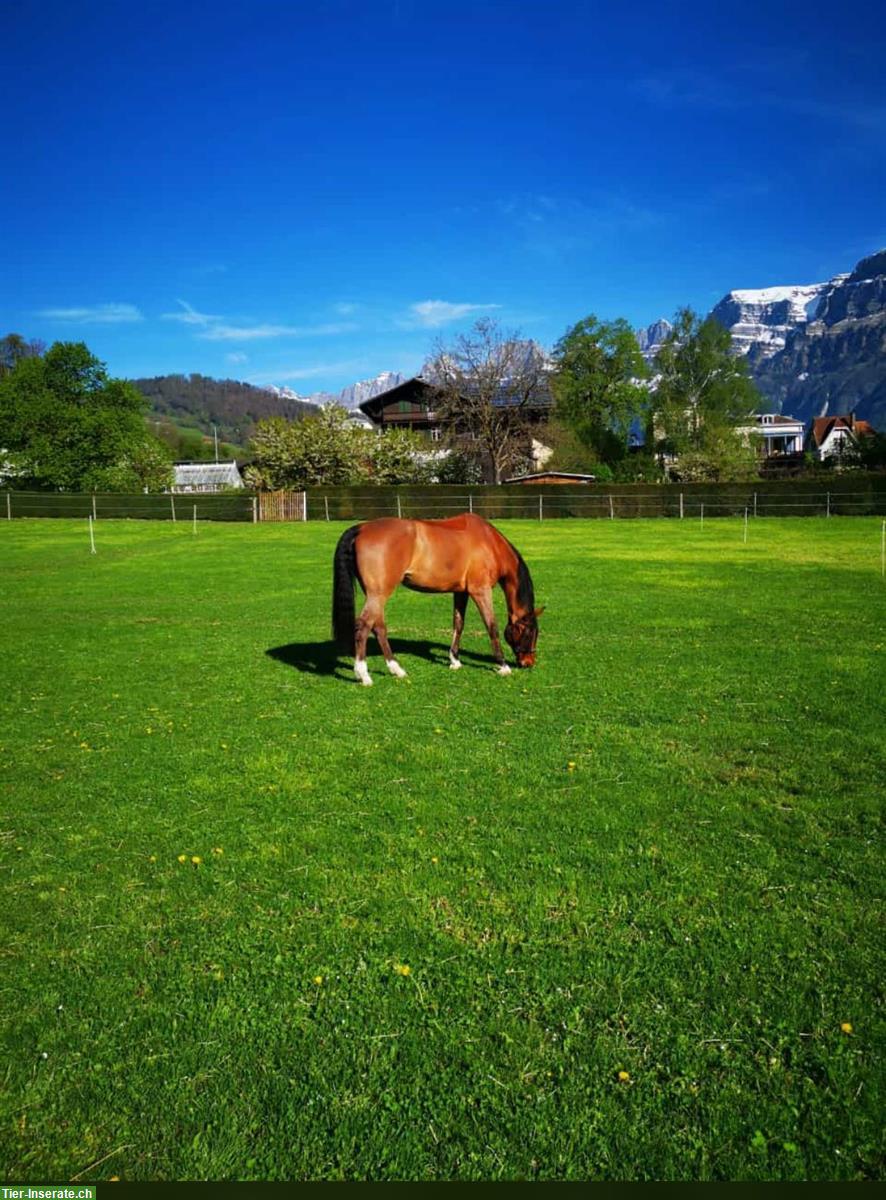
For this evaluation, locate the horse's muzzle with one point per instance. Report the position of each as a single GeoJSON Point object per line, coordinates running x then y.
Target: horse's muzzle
{"type": "Point", "coordinates": [526, 660]}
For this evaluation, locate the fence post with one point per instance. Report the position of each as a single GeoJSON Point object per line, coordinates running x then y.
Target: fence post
{"type": "Point", "coordinates": [755, 504]}
{"type": "Point", "coordinates": [611, 509]}
{"type": "Point", "coordinates": [399, 510]}
{"type": "Point", "coordinates": [681, 506]}
{"type": "Point", "coordinates": [326, 506]}
{"type": "Point", "coordinates": [8, 506]}
{"type": "Point", "coordinates": [829, 504]}
{"type": "Point", "coordinates": [304, 506]}
{"type": "Point", "coordinates": [94, 513]}
{"type": "Point", "coordinates": [91, 537]}
{"type": "Point", "coordinates": [470, 501]}
{"type": "Point", "coordinates": [255, 510]}
{"type": "Point", "coordinates": [702, 514]}
{"type": "Point", "coordinates": [541, 512]}
{"type": "Point", "coordinates": [172, 504]}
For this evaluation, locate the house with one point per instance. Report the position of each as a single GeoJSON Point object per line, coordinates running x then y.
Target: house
{"type": "Point", "coordinates": [206, 476]}
{"type": "Point", "coordinates": [832, 437]}
{"type": "Point", "coordinates": [778, 435]}
{"type": "Point", "coordinates": [410, 405]}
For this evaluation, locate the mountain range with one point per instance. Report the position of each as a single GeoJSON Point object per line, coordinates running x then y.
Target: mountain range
{"type": "Point", "coordinates": [813, 350]}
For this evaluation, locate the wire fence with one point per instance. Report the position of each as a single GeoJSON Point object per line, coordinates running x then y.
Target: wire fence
{"type": "Point", "coordinates": [174, 506]}
{"type": "Point", "coordinates": [555, 503]}
{"type": "Point", "coordinates": [696, 502]}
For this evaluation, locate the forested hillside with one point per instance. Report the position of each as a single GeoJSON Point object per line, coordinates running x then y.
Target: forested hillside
{"type": "Point", "coordinates": [198, 402]}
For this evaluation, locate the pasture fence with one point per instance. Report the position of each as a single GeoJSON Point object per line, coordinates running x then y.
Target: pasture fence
{"type": "Point", "coordinates": [857, 494]}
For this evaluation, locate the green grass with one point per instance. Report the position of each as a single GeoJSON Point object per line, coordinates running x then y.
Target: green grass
{"type": "Point", "coordinates": [657, 853]}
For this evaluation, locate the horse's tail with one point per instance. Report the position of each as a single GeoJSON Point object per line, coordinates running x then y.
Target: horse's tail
{"type": "Point", "coordinates": [344, 573]}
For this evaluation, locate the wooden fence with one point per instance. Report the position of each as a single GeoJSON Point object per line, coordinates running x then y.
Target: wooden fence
{"type": "Point", "coordinates": [281, 506]}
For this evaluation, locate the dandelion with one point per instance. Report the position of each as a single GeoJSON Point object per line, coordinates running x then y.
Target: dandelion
{"type": "Point", "coordinates": [318, 979]}
{"type": "Point", "coordinates": [846, 1027]}
{"type": "Point", "coordinates": [570, 766]}
{"type": "Point", "coordinates": [624, 1077]}
{"type": "Point", "coordinates": [217, 850]}
{"type": "Point", "coordinates": [196, 860]}
{"type": "Point", "coordinates": [183, 858]}
{"type": "Point", "coordinates": [434, 858]}
{"type": "Point", "coordinates": [152, 858]}
{"type": "Point", "coordinates": [402, 969]}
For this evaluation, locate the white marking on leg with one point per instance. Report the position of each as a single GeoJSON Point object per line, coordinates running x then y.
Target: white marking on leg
{"type": "Point", "coordinates": [395, 668]}
{"type": "Point", "coordinates": [454, 663]}
{"type": "Point", "coordinates": [503, 669]}
{"type": "Point", "coordinates": [362, 672]}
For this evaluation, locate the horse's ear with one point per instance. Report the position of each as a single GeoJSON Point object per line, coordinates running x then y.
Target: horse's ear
{"type": "Point", "coordinates": [539, 611]}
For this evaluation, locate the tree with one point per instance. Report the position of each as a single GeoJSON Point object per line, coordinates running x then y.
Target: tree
{"type": "Point", "coordinates": [489, 386]}
{"type": "Point", "coordinates": [14, 347]}
{"type": "Point", "coordinates": [701, 391]}
{"type": "Point", "coordinates": [331, 449]}
{"type": "Point", "coordinates": [65, 424]}
{"type": "Point", "coordinates": [596, 384]}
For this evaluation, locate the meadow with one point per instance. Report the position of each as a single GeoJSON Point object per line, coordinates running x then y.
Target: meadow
{"type": "Point", "coordinates": [614, 918]}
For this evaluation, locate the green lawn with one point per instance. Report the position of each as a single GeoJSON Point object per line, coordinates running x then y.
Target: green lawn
{"type": "Point", "coordinates": [433, 920]}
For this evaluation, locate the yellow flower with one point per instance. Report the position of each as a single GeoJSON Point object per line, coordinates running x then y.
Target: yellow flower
{"type": "Point", "coordinates": [624, 1077]}
{"type": "Point", "coordinates": [570, 766]}
{"type": "Point", "coordinates": [196, 860]}
{"type": "Point", "coordinates": [434, 858]}
{"type": "Point", "coordinates": [152, 858]}
{"type": "Point", "coordinates": [318, 979]}
{"type": "Point", "coordinates": [217, 850]}
{"type": "Point", "coordinates": [402, 969]}
{"type": "Point", "coordinates": [183, 858]}
{"type": "Point", "coordinates": [846, 1027]}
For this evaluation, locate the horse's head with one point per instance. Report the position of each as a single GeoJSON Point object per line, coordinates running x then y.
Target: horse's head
{"type": "Point", "coordinates": [521, 634]}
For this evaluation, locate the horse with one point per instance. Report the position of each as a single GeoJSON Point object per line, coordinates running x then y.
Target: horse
{"type": "Point", "coordinates": [464, 555]}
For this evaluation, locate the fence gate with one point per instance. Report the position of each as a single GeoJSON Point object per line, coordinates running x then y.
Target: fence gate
{"type": "Point", "coordinates": [281, 506]}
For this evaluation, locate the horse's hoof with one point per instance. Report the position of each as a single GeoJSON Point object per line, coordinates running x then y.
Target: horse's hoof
{"type": "Point", "coordinates": [362, 673]}
{"type": "Point", "coordinates": [454, 664]}
{"type": "Point", "coordinates": [395, 669]}
{"type": "Point", "coordinates": [503, 669]}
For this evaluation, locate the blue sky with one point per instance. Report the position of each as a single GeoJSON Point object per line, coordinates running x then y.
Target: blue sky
{"type": "Point", "coordinates": [306, 194]}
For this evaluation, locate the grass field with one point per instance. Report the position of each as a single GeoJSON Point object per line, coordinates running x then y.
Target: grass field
{"type": "Point", "coordinates": [604, 919]}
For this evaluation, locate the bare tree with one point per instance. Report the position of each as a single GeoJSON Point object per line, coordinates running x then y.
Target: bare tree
{"type": "Point", "coordinates": [490, 386]}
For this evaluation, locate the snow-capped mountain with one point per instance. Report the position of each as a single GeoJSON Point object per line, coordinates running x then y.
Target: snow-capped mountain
{"type": "Point", "coordinates": [365, 389]}
{"type": "Point", "coordinates": [761, 319]}
{"type": "Point", "coordinates": [651, 338]}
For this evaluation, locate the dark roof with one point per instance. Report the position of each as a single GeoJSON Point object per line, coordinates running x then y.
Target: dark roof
{"type": "Point", "coordinates": [420, 390]}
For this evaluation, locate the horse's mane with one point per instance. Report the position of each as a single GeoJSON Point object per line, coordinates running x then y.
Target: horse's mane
{"type": "Point", "coordinates": [525, 591]}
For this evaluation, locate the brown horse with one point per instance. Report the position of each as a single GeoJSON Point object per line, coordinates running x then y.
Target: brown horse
{"type": "Point", "coordinates": [464, 555]}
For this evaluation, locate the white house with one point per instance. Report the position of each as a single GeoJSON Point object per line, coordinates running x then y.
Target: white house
{"type": "Point", "coordinates": [780, 435]}
{"type": "Point", "coordinates": [831, 437]}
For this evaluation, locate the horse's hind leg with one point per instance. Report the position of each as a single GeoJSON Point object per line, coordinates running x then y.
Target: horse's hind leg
{"type": "Point", "coordinates": [459, 608]}
{"type": "Point", "coordinates": [483, 600]}
{"type": "Point", "coordinates": [372, 620]}
{"type": "Point", "coordinates": [381, 632]}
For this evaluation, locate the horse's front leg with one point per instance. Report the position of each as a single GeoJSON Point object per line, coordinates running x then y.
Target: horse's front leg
{"type": "Point", "coordinates": [483, 600]}
{"type": "Point", "coordinates": [459, 608]}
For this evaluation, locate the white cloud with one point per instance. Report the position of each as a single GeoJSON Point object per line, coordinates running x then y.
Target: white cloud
{"type": "Point", "coordinates": [314, 371]}
{"type": "Point", "coordinates": [97, 314]}
{"type": "Point", "coordinates": [433, 313]}
{"type": "Point", "coordinates": [190, 316]}
{"type": "Point", "coordinates": [248, 333]}
{"type": "Point", "coordinates": [237, 358]}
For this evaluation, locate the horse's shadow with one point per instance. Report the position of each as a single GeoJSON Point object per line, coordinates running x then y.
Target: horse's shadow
{"type": "Point", "coordinates": [326, 658]}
